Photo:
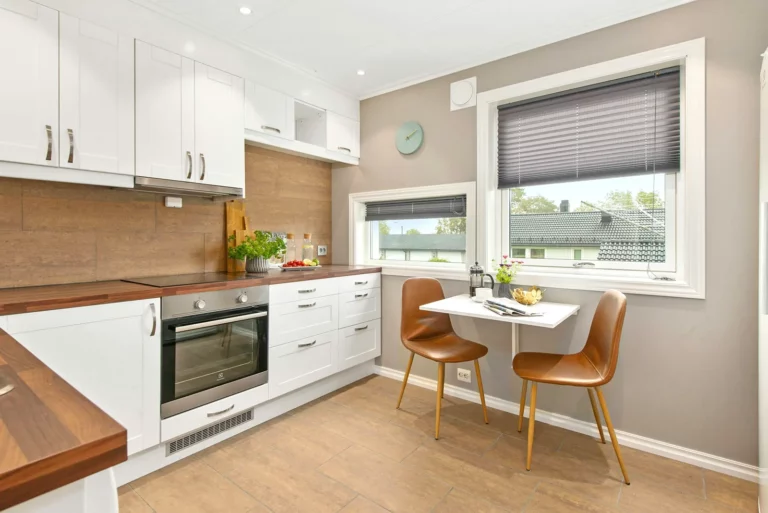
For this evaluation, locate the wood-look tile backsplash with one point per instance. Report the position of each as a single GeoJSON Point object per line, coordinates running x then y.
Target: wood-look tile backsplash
{"type": "Point", "coordinates": [65, 233]}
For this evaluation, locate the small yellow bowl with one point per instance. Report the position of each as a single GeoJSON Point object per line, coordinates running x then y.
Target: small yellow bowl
{"type": "Point", "coordinates": [527, 297]}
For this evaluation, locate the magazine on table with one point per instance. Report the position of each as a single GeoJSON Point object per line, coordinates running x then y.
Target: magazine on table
{"type": "Point", "coordinates": [503, 306]}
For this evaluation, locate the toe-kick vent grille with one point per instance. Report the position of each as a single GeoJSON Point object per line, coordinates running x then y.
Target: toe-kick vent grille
{"type": "Point", "coordinates": [205, 433]}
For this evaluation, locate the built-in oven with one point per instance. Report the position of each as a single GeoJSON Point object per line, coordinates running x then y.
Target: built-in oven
{"type": "Point", "coordinates": [214, 344]}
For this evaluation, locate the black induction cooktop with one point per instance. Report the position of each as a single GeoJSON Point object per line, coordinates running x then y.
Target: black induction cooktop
{"type": "Point", "coordinates": [188, 279]}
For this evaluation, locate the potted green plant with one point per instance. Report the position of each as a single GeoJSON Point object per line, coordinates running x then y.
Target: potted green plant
{"type": "Point", "coordinates": [257, 250]}
{"type": "Point", "coordinates": [505, 273]}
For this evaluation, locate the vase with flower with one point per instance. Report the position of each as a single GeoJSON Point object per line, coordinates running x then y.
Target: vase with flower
{"type": "Point", "coordinates": [506, 270]}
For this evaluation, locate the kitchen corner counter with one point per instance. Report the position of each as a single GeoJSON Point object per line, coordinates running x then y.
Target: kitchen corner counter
{"type": "Point", "coordinates": [53, 297]}
{"type": "Point", "coordinates": [50, 434]}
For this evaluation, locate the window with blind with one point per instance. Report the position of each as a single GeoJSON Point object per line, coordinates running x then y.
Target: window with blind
{"type": "Point", "coordinates": [429, 230]}
{"type": "Point", "coordinates": [589, 174]}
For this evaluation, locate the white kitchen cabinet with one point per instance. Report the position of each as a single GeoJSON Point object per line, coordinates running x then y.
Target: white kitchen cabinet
{"type": "Point", "coordinates": [109, 353]}
{"type": "Point", "coordinates": [165, 114]}
{"type": "Point", "coordinates": [343, 134]}
{"type": "Point", "coordinates": [359, 343]}
{"type": "Point", "coordinates": [96, 98]}
{"type": "Point", "coordinates": [359, 306]}
{"type": "Point", "coordinates": [29, 88]}
{"type": "Point", "coordinates": [219, 127]}
{"type": "Point", "coordinates": [268, 111]}
{"type": "Point", "coordinates": [300, 319]}
{"type": "Point", "coordinates": [301, 362]}
{"type": "Point", "coordinates": [300, 290]}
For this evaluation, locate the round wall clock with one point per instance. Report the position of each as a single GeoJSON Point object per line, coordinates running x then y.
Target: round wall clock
{"type": "Point", "coordinates": [409, 137]}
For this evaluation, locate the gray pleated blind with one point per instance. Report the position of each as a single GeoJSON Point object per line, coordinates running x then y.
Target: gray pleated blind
{"type": "Point", "coordinates": [422, 208]}
{"type": "Point", "coordinates": [624, 127]}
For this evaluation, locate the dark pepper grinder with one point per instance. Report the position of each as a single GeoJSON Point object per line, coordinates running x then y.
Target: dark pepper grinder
{"type": "Point", "coordinates": [476, 278]}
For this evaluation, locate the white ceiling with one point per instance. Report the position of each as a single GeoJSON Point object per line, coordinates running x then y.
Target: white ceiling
{"type": "Point", "coordinates": [398, 42]}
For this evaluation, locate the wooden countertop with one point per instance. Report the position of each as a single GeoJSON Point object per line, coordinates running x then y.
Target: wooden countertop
{"type": "Point", "coordinates": [50, 435]}
{"type": "Point", "coordinates": [52, 297]}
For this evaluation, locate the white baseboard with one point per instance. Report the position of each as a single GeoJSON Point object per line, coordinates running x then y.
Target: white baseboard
{"type": "Point", "coordinates": [667, 450]}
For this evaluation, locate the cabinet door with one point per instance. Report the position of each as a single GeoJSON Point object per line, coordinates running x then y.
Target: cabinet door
{"type": "Point", "coordinates": [301, 319]}
{"type": "Point", "coordinates": [359, 343]}
{"type": "Point", "coordinates": [268, 111]}
{"type": "Point", "coordinates": [343, 134]}
{"type": "Point", "coordinates": [29, 88]}
{"type": "Point", "coordinates": [96, 98]}
{"type": "Point", "coordinates": [359, 306]}
{"type": "Point", "coordinates": [219, 127]}
{"type": "Point", "coordinates": [109, 353]}
{"type": "Point", "coordinates": [302, 362]}
{"type": "Point", "coordinates": [165, 114]}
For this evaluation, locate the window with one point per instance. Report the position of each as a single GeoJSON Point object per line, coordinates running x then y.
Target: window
{"type": "Point", "coordinates": [421, 230]}
{"type": "Point", "coordinates": [599, 172]}
{"type": "Point", "coordinates": [518, 252]}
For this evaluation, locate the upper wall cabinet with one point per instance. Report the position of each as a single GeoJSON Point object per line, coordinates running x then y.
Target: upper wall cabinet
{"type": "Point", "coordinates": [343, 135]}
{"type": "Point", "coordinates": [268, 111]}
{"type": "Point", "coordinates": [29, 87]}
{"type": "Point", "coordinates": [96, 91]}
{"type": "Point", "coordinates": [189, 120]}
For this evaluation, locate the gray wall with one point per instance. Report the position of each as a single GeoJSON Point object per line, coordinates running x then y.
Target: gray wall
{"type": "Point", "coordinates": [688, 368]}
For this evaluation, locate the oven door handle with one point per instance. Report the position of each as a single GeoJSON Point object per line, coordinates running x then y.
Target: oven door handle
{"type": "Point", "coordinates": [217, 322]}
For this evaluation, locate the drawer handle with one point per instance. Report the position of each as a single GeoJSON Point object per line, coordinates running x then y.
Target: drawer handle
{"type": "Point", "coordinates": [189, 163]}
{"type": "Point", "coordinates": [361, 282]}
{"type": "Point", "coordinates": [307, 291]}
{"type": "Point", "coordinates": [308, 344]}
{"type": "Point", "coordinates": [357, 296]}
{"type": "Point", "coordinates": [309, 305]}
{"type": "Point", "coordinates": [222, 412]}
{"type": "Point", "coordinates": [361, 328]}
{"type": "Point", "coordinates": [71, 135]}
{"type": "Point", "coordinates": [154, 319]}
{"type": "Point", "coordinates": [267, 127]}
{"type": "Point", "coordinates": [49, 135]}
{"type": "Point", "coordinates": [343, 148]}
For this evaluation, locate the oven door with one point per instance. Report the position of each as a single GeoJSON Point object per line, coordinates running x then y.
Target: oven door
{"type": "Point", "coordinates": [211, 356]}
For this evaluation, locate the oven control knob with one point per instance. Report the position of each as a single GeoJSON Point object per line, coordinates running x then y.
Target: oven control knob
{"type": "Point", "coordinates": [200, 304]}
{"type": "Point", "coordinates": [242, 298]}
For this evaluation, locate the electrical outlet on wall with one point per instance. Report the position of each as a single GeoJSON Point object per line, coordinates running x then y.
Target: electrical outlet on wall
{"type": "Point", "coordinates": [322, 250]}
{"type": "Point", "coordinates": [464, 375]}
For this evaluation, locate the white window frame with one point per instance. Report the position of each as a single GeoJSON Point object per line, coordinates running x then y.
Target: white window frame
{"type": "Point", "coordinates": [359, 236]}
{"type": "Point", "coordinates": [688, 277]}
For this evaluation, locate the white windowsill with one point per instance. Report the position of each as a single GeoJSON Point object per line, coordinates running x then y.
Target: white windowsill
{"type": "Point", "coordinates": [425, 272]}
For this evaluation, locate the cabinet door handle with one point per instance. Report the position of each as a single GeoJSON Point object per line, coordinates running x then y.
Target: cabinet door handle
{"type": "Point", "coordinates": [154, 319]}
{"type": "Point", "coordinates": [189, 162]}
{"type": "Point", "coordinates": [222, 412]}
{"type": "Point", "coordinates": [308, 305]}
{"type": "Point", "coordinates": [202, 172]}
{"type": "Point", "coordinates": [49, 133]}
{"type": "Point", "coordinates": [267, 127]}
{"type": "Point", "coordinates": [307, 291]}
{"type": "Point", "coordinates": [361, 328]}
{"type": "Point", "coordinates": [361, 282]}
{"type": "Point", "coordinates": [342, 148]}
{"type": "Point", "coordinates": [357, 296]}
{"type": "Point", "coordinates": [308, 344]}
{"type": "Point", "coordinates": [71, 135]}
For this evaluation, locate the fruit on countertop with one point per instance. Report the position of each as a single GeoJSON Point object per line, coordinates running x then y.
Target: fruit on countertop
{"type": "Point", "coordinates": [302, 263]}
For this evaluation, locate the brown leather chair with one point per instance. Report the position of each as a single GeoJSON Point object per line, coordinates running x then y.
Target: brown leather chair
{"type": "Point", "coordinates": [431, 335]}
{"type": "Point", "coordinates": [592, 368]}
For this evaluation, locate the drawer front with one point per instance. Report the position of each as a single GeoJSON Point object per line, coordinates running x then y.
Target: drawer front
{"type": "Point", "coordinates": [296, 291]}
{"type": "Point", "coordinates": [359, 343]}
{"type": "Point", "coordinates": [359, 282]}
{"type": "Point", "coordinates": [212, 413]}
{"type": "Point", "coordinates": [302, 362]}
{"type": "Point", "coordinates": [360, 306]}
{"type": "Point", "coordinates": [302, 319]}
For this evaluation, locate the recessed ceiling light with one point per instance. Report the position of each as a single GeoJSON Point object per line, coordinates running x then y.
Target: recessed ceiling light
{"type": "Point", "coordinates": [361, 72]}
{"type": "Point", "coordinates": [245, 11]}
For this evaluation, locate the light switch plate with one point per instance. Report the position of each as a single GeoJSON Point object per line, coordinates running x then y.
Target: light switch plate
{"type": "Point", "coordinates": [322, 250]}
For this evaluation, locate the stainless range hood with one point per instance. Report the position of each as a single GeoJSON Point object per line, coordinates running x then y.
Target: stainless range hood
{"type": "Point", "coordinates": [179, 188]}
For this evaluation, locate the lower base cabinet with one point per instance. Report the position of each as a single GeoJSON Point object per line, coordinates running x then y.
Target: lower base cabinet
{"type": "Point", "coordinates": [301, 362]}
{"type": "Point", "coordinates": [359, 343]}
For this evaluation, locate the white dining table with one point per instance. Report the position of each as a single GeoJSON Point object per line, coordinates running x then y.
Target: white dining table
{"type": "Point", "coordinates": [552, 314]}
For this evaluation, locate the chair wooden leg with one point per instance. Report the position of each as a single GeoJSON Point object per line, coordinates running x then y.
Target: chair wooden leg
{"type": "Point", "coordinates": [440, 386]}
{"type": "Point", "coordinates": [597, 415]}
{"type": "Point", "coordinates": [612, 433]}
{"type": "Point", "coordinates": [480, 389]}
{"type": "Point", "coordinates": [405, 380]}
{"type": "Point", "coordinates": [531, 420]}
{"type": "Point", "coordinates": [522, 406]}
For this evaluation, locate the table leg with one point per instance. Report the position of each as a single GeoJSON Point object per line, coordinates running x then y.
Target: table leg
{"type": "Point", "coordinates": [515, 340]}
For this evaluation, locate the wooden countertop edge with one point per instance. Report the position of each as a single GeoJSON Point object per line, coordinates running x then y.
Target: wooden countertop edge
{"type": "Point", "coordinates": [140, 292]}
{"type": "Point", "coordinates": [45, 475]}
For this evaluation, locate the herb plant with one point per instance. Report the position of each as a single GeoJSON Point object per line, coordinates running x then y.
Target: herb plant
{"type": "Point", "coordinates": [261, 245]}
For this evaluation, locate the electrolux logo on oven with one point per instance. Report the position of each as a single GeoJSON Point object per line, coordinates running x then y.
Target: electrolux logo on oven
{"type": "Point", "coordinates": [221, 376]}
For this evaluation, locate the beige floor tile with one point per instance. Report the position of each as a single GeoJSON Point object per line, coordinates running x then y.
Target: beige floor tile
{"type": "Point", "coordinates": [656, 471]}
{"type": "Point", "coordinates": [362, 505]}
{"type": "Point", "coordinates": [730, 491]}
{"type": "Point", "coordinates": [640, 497]}
{"type": "Point", "coordinates": [453, 431]}
{"type": "Point", "coordinates": [512, 451]}
{"type": "Point", "coordinates": [459, 501]}
{"type": "Point", "coordinates": [303, 442]}
{"type": "Point", "coordinates": [479, 478]}
{"type": "Point", "coordinates": [471, 412]}
{"type": "Point", "coordinates": [543, 502]}
{"type": "Point", "coordinates": [277, 479]}
{"type": "Point", "coordinates": [321, 411]}
{"type": "Point", "coordinates": [396, 487]}
{"type": "Point", "coordinates": [130, 502]}
{"type": "Point", "coordinates": [194, 488]}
